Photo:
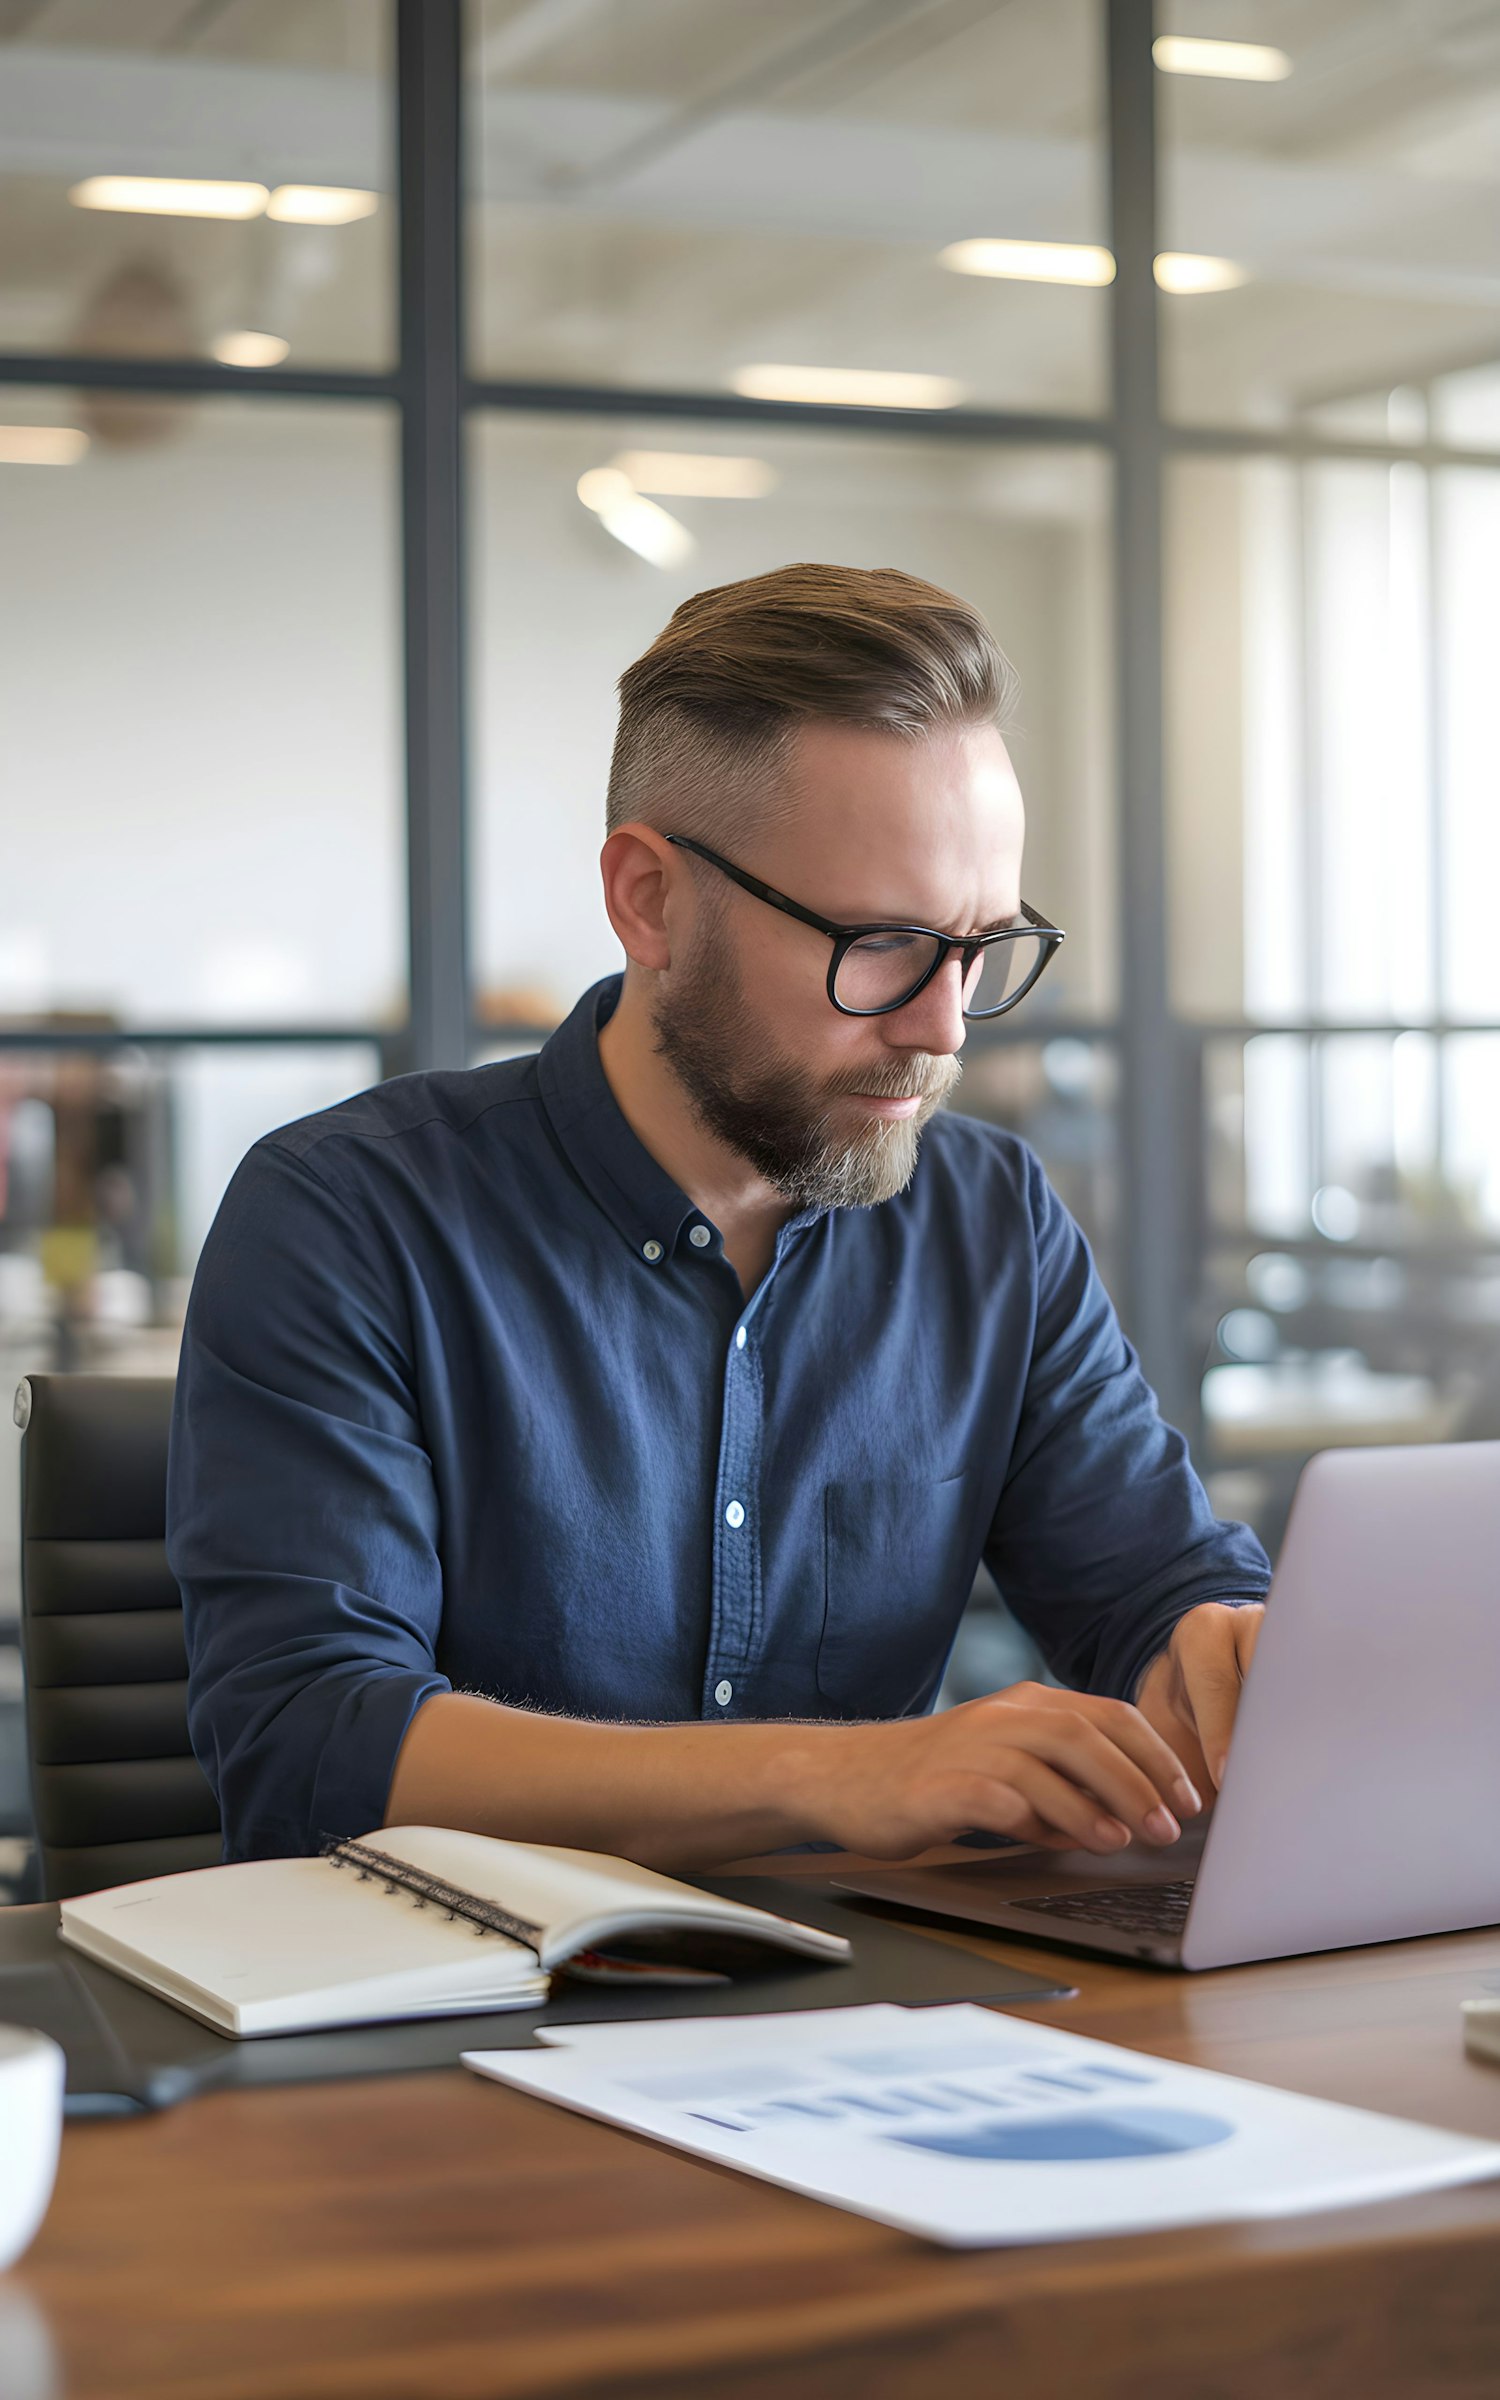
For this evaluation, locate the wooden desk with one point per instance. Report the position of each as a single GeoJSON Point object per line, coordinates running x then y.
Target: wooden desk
{"type": "Point", "coordinates": [434, 2238]}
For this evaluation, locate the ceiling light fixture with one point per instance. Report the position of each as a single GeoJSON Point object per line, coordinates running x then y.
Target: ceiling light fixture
{"type": "Point", "coordinates": [247, 349]}
{"type": "Point", "coordinates": [1031, 262]}
{"type": "Point", "coordinates": [1235, 62]}
{"type": "Point", "coordinates": [320, 204]}
{"type": "Point", "coordinates": [169, 196]}
{"type": "Point", "coordinates": [1193, 271]}
{"type": "Point", "coordinates": [651, 532]}
{"type": "Point", "coordinates": [1078, 263]}
{"type": "Point", "coordinates": [847, 387]}
{"type": "Point", "coordinates": [696, 474]}
{"type": "Point", "coordinates": [41, 445]}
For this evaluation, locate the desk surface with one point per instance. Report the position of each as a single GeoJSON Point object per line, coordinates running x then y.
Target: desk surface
{"type": "Point", "coordinates": [429, 2234]}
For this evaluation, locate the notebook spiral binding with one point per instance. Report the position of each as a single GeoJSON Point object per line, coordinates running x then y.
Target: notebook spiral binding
{"type": "Point", "coordinates": [430, 1891]}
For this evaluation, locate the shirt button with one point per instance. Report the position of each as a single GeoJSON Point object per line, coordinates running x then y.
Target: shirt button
{"type": "Point", "coordinates": [723, 1693]}
{"type": "Point", "coordinates": [651, 1250]}
{"type": "Point", "coordinates": [739, 1339]}
{"type": "Point", "coordinates": [734, 1515]}
{"type": "Point", "coordinates": [700, 1237]}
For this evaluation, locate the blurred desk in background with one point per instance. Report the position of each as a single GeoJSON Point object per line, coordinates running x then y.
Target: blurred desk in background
{"type": "Point", "coordinates": [1292, 1407]}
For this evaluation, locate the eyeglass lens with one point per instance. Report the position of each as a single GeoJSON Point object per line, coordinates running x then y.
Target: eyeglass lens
{"type": "Point", "coordinates": [883, 969]}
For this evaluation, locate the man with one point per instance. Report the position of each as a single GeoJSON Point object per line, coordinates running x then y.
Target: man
{"type": "Point", "coordinates": [599, 1448]}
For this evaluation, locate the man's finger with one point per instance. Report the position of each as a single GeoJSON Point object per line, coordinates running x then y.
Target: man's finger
{"type": "Point", "coordinates": [1179, 1732]}
{"type": "Point", "coordinates": [1153, 1750]}
{"type": "Point", "coordinates": [1247, 1624]}
{"type": "Point", "coordinates": [1213, 1666]}
{"type": "Point", "coordinates": [1060, 1804]}
{"type": "Point", "coordinates": [1087, 1757]}
{"type": "Point", "coordinates": [1148, 1740]}
{"type": "Point", "coordinates": [1105, 1745]}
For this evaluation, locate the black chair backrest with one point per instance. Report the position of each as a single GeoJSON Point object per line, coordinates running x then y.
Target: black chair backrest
{"type": "Point", "coordinates": [116, 1790]}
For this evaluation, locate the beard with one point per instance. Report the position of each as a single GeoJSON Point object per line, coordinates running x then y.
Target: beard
{"type": "Point", "coordinates": [777, 1116]}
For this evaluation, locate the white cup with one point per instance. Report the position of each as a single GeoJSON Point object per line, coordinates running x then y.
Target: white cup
{"type": "Point", "coordinates": [31, 2108]}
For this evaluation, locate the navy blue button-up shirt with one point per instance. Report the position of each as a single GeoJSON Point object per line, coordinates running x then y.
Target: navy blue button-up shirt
{"type": "Point", "coordinates": [471, 1398]}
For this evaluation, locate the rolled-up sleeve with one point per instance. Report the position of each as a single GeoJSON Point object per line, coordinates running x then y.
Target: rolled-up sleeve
{"type": "Point", "coordinates": [302, 1521]}
{"type": "Point", "coordinates": [1104, 1536]}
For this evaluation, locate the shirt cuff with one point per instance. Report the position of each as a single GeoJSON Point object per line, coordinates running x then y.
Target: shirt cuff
{"type": "Point", "coordinates": [365, 1735]}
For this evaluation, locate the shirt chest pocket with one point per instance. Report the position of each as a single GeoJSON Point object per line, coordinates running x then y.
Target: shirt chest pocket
{"type": "Point", "coordinates": [899, 1559]}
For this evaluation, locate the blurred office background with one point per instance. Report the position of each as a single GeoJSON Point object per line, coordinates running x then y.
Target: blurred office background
{"type": "Point", "coordinates": [375, 379]}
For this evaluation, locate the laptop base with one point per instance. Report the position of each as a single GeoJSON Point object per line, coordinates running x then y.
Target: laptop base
{"type": "Point", "coordinates": [994, 1892]}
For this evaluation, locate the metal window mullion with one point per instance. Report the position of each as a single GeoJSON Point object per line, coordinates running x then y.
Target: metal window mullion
{"type": "Point", "coordinates": [526, 396]}
{"type": "Point", "coordinates": [1439, 810]}
{"type": "Point", "coordinates": [1157, 1172]}
{"type": "Point", "coordinates": [429, 68]}
{"type": "Point", "coordinates": [1315, 996]}
{"type": "Point", "coordinates": [193, 378]}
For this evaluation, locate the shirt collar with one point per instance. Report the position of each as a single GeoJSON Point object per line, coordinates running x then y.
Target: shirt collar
{"type": "Point", "coordinates": [638, 1196]}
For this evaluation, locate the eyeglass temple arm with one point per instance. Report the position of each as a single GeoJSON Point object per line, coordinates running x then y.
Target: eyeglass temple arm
{"type": "Point", "coordinates": [1039, 923]}
{"type": "Point", "coordinates": [757, 889]}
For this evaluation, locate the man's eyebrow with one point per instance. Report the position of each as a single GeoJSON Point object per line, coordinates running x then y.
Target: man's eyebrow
{"type": "Point", "coordinates": [969, 934]}
{"type": "Point", "coordinates": [998, 925]}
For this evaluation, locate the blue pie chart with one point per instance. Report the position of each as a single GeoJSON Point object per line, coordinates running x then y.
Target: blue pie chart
{"type": "Point", "coordinates": [1105, 2133]}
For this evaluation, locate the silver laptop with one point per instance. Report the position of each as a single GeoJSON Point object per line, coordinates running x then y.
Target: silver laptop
{"type": "Point", "coordinates": [1361, 1802]}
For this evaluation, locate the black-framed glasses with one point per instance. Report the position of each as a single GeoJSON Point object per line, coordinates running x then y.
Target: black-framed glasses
{"type": "Point", "coordinates": [877, 968]}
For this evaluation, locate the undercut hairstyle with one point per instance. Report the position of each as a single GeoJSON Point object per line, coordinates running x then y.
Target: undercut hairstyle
{"type": "Point", "coordinates": [709, 713]}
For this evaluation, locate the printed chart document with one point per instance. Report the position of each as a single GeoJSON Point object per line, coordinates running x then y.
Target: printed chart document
{"type": "Point", "coordinates": [973, 2127]}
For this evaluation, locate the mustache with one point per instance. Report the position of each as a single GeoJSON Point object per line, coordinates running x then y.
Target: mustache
{"type": "Point", "coordinates": [902, 1080]}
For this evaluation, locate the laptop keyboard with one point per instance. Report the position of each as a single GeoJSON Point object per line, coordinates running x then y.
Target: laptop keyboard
{"type": "Point", "coordinates": [1128, 1907]}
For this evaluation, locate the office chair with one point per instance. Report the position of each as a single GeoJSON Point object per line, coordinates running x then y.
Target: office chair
{"type": "Point", "coordinates": [116, 1791]}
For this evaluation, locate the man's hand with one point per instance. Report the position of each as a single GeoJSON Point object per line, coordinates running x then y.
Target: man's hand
{"type": "Point", "coordinates": [1191, 1690]}
{"type": "Point", "coordinates": [1065, 1770]}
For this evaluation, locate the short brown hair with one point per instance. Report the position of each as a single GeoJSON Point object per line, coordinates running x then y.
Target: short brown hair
{"type": "Point", "coordinates": [712, 705]}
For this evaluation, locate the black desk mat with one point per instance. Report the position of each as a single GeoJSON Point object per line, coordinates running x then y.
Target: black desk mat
{"type": "Point", "coordinates": [127, 2050]}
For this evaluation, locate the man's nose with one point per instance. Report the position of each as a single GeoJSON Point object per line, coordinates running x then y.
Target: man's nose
{"type": "Point", "coordinates": [934, 1020]}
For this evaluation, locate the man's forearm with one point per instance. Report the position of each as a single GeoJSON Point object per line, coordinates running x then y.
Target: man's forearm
{"type": "Point", "coordinates": [1064, 1769]}
{"type": "Point", "coordinates": [671, 1796]}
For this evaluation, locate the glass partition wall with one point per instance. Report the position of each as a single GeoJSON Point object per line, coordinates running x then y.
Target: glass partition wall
{"type": "Point", "coordinates": [374, 379]}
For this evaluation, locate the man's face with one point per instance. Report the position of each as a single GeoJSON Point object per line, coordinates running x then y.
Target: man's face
{"type": "Point", "coordinates": [829, 1109]}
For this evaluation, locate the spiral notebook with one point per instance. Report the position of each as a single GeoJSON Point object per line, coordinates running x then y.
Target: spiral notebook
{"type": "Point", "coordinates": [417, 1921]}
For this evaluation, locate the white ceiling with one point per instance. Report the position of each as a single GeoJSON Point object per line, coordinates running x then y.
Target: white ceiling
{"type": "Point", "coordinates": [668, 188]}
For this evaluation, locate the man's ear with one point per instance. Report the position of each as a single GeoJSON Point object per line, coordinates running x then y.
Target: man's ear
{"type": "Point", "coordinates": [638, 867]}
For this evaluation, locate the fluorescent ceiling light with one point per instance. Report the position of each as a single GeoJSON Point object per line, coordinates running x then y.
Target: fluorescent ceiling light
{"type": "Point", "coordinates": [651, 532]}
{"type": "Point", "coordinates": [696, 474]}
{"type": "Point", "coordinates": [604, 487]}
{"type": "Point", "coordinates": [847, 387]}
{"type": "Point", "coordinates": [1237, 62]}
{"type": "Point", "coordinates": [41, 445]}
{"type": "Point", "coordinates": [1031, 262]}
{"type": "Point", "coordinates": [250, 349]}
{"type": "Point", "coordinates": [320, 204]}
{"type": "Point", "coordinates": [169, 196]}
{"type": "Point", "coordinates": [1083, 263]}
{"type": "Point", "coordinates": [1191, 271]}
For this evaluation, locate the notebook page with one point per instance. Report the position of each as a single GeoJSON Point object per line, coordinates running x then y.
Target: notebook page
{"type": "Point", "coordinates": [276, 1929]}
{"type": "Point", "coordinates": [564, 1890]}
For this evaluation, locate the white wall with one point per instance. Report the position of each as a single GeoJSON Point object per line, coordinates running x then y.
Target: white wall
{"type": "Point", "coordinates": [199, 689]}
